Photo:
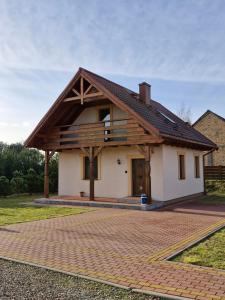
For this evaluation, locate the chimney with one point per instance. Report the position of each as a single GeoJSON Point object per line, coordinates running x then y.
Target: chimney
{"type": "Point", "coordinates": [145, 92]}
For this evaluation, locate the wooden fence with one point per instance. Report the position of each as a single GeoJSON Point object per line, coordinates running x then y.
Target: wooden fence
{"type": "Point", "coordinates": [215, 173]}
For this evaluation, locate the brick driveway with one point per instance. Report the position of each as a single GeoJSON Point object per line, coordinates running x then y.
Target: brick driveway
{"type": "Point", "coordinates": [124, 247]}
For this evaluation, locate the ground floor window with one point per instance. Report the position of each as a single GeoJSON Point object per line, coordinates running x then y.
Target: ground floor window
{"type": "Point", "coordinates": [87, 168]}
{"type": "Point", "coordinates": [181, 166]}
{"type": "Point", "coordinates": [197, 167]}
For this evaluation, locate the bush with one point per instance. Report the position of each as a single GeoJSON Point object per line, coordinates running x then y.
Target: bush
{"type": "Point", "coordinates": [18, 185]}
{"type": "Point", "coordinates": [4, 186]}
{"type": "Point", "coordinates": [34, 183]}
{"type": "Point", "coordinates": [215, 186]}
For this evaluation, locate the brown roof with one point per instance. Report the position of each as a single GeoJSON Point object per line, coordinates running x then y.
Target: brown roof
{"type": "Point", "coordinates": [154, 116]}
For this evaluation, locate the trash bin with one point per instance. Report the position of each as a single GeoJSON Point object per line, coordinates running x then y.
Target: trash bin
{"type": "Point", "coordinates": [144, 199]}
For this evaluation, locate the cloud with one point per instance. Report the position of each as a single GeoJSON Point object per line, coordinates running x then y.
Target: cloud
{"type": "Point", "coordinates": [173, 44]}
{"type": "Point", "coordinates": [179, 40]}
{"type": "Point", "coordinates": [14, 124]}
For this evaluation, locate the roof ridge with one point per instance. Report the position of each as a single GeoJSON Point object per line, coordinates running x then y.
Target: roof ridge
{"type": "Point", "coordinates": [128, 90]}
{"type": "Point", "coordinates": [205, 114]}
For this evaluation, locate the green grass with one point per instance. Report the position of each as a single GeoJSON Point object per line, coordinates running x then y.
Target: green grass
{"type": "Point", "coordinates": [210, 253]}
{"type": "Point", "coordinates": [213, 198]}
{"type": "Point", "coordinates": [17, 209]}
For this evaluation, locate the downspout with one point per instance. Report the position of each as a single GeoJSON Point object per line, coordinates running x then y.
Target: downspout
{"type": "Point", "coordinates": [203, 159]}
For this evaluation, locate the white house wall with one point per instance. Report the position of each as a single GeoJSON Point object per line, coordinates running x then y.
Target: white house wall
{"type": "Point", "coordinates": [173, 187]}
{"type": "Point", "coordinates": [114, 179]}
{"type": "Point", "coordinates": [90, 115]}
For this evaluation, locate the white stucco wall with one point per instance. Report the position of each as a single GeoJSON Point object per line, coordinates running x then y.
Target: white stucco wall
{"type": "Point", "coordinates": [115, 180]}
{"type": "Point", "coordinates": [90, 115]}
{"type": "Point", "coordinates": [173, 187]}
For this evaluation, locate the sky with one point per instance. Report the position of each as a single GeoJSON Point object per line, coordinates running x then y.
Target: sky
{"type": "Point", "coordinates": [177, 46]}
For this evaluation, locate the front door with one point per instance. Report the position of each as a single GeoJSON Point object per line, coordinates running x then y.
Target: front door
{"type": "Point", "coordinates": [138, 176]}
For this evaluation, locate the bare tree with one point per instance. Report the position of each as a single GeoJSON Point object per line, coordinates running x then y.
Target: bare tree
{"type": "Point", "coordinates": [185, 113]}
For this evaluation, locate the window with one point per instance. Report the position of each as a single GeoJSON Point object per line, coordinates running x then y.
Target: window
{"type": "Point", "coordinates": [181, 169]}
{"type": "Point", "coordinates": [87, 168]}
{"type": "Point", "coordinates": [104, 116]}
{"type": "Point", "coordinates": [197, 167]}
{"type": "Point", "coordinates": [166, 117]}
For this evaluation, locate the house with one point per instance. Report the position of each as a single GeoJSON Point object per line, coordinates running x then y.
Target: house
{"type": "Point", "coordinates": [113, 142]}
{"type": "Point", "coordinates": [213, 126]}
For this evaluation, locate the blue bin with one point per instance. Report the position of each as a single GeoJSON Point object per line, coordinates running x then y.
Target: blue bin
{"type": "Point", "coordinates": [144, 199]}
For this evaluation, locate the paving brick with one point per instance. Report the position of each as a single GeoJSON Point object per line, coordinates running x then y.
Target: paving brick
{"type": "Point", "coordinates": [123, 247]}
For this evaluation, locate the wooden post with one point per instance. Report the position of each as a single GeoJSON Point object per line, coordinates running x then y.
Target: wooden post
{"type": "Point", "coordinates": [46, 176]}
{"type": "Point", "coordinates": [148, 173]}
{"type": "Point", "coordinates": [92, 177]}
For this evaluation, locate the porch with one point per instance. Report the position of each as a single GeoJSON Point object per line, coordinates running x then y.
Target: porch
{"type": "Point", "coordinates": [132, 203]}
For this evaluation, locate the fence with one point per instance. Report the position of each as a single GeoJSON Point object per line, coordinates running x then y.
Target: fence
{"type": "Point", "coordinates": [215, 173]}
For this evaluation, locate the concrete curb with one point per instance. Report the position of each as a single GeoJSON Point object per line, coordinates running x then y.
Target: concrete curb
{"type": "Point", "coordinates": [67, 273]}
{"type": "Point", "coordinates": [165, 296]}
{"type": "Point", "coordinates": [140, 291]}
{"type": "Point", "coordinates": [45, 201]}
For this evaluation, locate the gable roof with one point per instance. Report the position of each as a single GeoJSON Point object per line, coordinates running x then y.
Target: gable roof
{"type": "Point", "coordinates": [206, 114]}
{"type": "Point", "coordinates": [155, 118]}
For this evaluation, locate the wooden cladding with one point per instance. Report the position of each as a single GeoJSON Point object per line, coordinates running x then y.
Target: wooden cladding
{"type": "Point", "coordinates": [104, 133]}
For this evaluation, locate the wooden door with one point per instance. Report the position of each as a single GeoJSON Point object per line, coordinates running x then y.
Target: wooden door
{"type": "Point", "coordinates": [138, 177]}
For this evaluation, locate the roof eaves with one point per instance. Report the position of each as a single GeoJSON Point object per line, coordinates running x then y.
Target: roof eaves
{"type": "Point", "coordinates": [53, 107]}
{"type": "Point", "coordinates": [211, 146]}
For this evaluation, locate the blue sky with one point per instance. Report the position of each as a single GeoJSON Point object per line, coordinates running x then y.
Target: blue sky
{"type": "Point", "coordinates": [177, 46]}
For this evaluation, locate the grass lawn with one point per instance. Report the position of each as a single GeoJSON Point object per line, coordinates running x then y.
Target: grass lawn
{"type": "Point", "coordinates": [213, 198]}
{"type": "Point", "coordinates": [209, 253]}
{"type": "Point", "coordinates": [17, 209]}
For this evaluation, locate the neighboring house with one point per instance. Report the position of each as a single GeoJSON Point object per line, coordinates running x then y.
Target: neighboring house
{"type": "Point", "coordinates": [113, 142]}
{"type": "Point", "coordinates": [213, 126]}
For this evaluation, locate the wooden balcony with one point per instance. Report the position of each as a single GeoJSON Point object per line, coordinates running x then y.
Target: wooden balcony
{"type": "Point", "coordinates": [106, 133]}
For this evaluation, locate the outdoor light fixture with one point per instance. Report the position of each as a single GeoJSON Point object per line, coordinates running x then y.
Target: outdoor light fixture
{"type": "Point", "coordinates": [119, 161]}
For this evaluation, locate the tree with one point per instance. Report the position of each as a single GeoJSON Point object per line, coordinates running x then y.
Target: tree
{"type": "Point", "coordinates": [4, 186]}
{"type": "Point", "coordinates": [185, 113]}
{"type": "Point", "coordinates": [24, 168]}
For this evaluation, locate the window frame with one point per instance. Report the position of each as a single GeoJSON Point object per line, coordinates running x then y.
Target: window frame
{"type": "Point", "coordinates": [102, 107]}
{"type": "Point", "coordinates": [181, 167]}
{"type": "Point", "coordinates": [197, 168]}
{"type": "Point", "coordinates": [86, 159]}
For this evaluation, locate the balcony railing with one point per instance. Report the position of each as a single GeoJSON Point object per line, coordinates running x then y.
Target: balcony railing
{"type": "Point", "coordinates": [113, 132]}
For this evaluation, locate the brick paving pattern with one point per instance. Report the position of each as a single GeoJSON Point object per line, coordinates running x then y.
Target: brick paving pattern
{"type": "Point", "coordinates": [124, 247]}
